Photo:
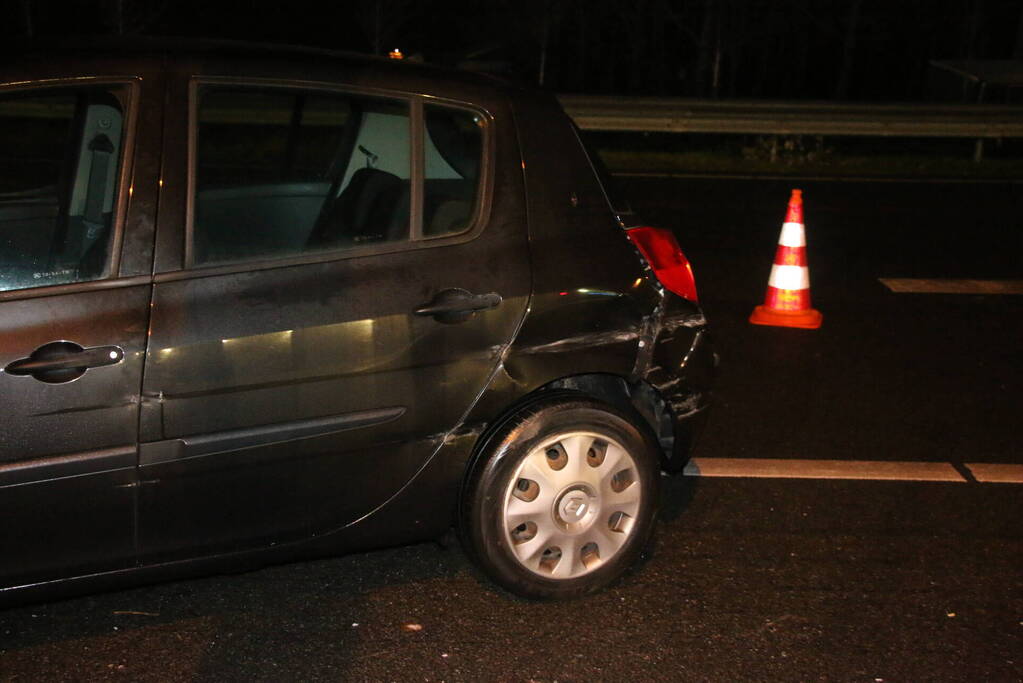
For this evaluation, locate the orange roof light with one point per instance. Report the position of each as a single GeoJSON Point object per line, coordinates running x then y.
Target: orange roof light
{"type": "Point", "coordinates": [396, 54]}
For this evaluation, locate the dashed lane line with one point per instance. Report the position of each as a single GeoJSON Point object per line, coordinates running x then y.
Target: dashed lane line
{"type": "Point", "coordinates": [996, 473]}
{"type": "Point", "coordinates": [907, 285]}
{"type": "Point", "coordinates": [875, 470]}
{"type": "Point", "coordinates": [937, 180]}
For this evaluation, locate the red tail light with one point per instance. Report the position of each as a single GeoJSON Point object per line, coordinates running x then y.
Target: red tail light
{"type": "Point", "coordinates": [666, 259]}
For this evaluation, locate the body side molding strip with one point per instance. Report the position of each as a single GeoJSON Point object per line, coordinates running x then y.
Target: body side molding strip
{"type": "Point", "coordinates": [70, 465]}
{"type": "Point", "coordinates": [183, 448]}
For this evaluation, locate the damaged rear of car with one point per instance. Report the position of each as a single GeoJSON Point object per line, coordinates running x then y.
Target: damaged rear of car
{"type": "Point", "coordinates": [614, 332]}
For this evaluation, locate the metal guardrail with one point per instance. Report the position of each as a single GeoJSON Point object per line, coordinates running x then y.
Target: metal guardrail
{"type": "Point", "coordinates": [677, 115]}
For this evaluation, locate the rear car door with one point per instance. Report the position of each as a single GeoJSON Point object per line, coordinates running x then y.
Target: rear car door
{"type": "Point", "coordinates": [75, 262]}
{"type": "Point", "coordinates": [338, 284]}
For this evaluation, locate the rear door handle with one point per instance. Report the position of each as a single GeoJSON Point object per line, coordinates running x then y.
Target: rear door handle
{"type": "Point", "coordinates": [63, 361]}
{"type": "Point", "coordinates": [457, 305]}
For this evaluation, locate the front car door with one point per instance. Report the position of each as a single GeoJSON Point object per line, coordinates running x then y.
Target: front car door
{"type": "Point", "coordinates": [77, 183]}
{"type": "Point", "coordinates": [312, 338]}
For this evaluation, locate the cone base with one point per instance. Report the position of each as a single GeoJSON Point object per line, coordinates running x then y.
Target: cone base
{"type": "Point", "coordinates": [808, 320]}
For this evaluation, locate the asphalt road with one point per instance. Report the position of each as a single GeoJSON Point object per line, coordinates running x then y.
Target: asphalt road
{"type": "Point", "coordinates": [929, 377]}
{"type": "Point", "coordinates": [748, 579]}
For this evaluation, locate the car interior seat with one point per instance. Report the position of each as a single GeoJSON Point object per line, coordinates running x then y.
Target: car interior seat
{"type": "Point", "coordinates": [374, 207]}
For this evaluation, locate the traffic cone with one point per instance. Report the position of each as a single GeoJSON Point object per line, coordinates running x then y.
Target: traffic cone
{"type": "Point", "coordinates": [787, 303]}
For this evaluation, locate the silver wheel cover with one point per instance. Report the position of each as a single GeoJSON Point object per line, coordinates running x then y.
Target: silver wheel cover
{"type": "Point", "coordinates": [571, 504]}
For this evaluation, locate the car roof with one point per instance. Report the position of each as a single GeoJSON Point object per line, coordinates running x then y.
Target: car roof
{"type": "Point", "coordinates": [170, 50]}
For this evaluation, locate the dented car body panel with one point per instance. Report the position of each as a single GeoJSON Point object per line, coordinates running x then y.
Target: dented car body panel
{"type": "Point", "coordinates": [286, 384]}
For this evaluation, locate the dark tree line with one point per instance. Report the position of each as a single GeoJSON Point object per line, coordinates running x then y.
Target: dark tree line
{"type": "Point", "coordinates": [840, 49]}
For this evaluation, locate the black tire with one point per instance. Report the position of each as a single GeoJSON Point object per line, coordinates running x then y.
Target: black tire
{"type": "Point", "coordinates": [600, 503]}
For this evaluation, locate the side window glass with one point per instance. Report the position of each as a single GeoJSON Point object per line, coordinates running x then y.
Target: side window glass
{"type": "Point", "coordinates": [280, 172]}
{"type": "Point", "coordinates": [454, 147]}
{"type": "Point", "coordinates": [60, 153]}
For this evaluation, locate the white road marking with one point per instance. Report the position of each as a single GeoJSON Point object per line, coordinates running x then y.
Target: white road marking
{"type": "Point", "coordinates": [876, 470]}
{"type": "Point", "coordinates": [820, 178]}
{"type": "Point", "coordinates": [996, 473]}
{"type": "Point", "coordinates": [939, 286]}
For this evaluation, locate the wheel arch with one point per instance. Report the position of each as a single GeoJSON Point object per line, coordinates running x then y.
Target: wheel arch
{"type": "Point", "coordinates": [639, 398]}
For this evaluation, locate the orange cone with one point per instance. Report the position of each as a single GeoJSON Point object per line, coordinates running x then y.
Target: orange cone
{"type": "Point", "coordinates": [787, 303]}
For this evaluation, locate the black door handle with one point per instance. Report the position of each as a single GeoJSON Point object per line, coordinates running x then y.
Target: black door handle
{"type": "Point", "coordinates": [458, 305]}
{"type": "Point", "coordinates": [64, 361]}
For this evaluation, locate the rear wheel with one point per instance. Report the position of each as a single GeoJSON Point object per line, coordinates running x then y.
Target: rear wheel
{"type": "Point", "coordinates": [563, 500]}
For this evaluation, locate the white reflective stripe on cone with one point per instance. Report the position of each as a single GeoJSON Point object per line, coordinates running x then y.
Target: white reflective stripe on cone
{"type": "Point", "coordinates": [789, 277]}
{"type": "Point", "coordinates": [792, 235]}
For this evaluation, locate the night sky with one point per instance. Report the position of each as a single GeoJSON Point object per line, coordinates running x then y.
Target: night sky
{"type": "Point", "coordinates": [795, 49]}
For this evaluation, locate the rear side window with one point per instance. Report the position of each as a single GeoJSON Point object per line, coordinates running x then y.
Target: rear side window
{"type": "Point", "coordinates": [453, 155]}
{"type": "Point", "coordinates": [252, 138]}
{"type": "Point", "coordinates": [282, 172]}
{"type": "Point", "coordinates": [60, 154]}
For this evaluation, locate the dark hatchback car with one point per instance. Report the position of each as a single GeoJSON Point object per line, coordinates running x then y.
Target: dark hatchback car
{"type": "Point", "coordinates": [258, 304]}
